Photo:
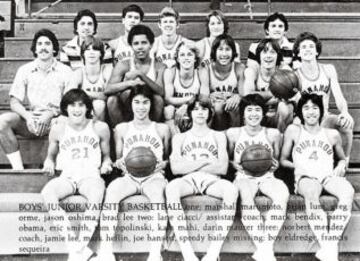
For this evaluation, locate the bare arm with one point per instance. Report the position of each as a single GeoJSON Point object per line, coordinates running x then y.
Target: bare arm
{"type": "Point", "coordinates": [53, 149]}
{"type": "Point", "coordinates": [17, 106]}
{"type": "Point", "coordinates": [200, 46]}
{"type": "Point", "coordinates": [238, 57]}
{"type": "Point", "coordinates": [340, 169]}
{"type": "Point", "coordinates": [250, 76]}
{"type": "Point", "coordinates": [104, 133]}
{"type": "Point", "coordinates": [204, 81]}
{"type": "Point", "coordinates": [289, 140]}
{"type": "Point", "coordinates": [116, 83]}
{"type": "Point", "coordinates": [157, 86]}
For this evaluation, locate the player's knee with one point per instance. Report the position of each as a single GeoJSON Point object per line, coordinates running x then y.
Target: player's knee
{"type": "Point", "coordinates": [6, 121]}
{"type": "Point", "coordinates": [347, 193]}
{"type": "Point", "coordinates": [171, 191]}
{"type": "Point", "coordinates": [169, 112]}
{"type": "Point", "coordinates": [281, 197]}
{"type": "Point", "coordinates": [231, 192]}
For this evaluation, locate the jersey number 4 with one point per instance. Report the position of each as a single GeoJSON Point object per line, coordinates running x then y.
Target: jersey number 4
{"type": "Point", "coordinates": [314, 155]}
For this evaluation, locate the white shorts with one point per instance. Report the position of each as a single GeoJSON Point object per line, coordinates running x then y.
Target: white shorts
{"type": "Point", "coordinates": [200, 181]}
{"type": "Point", "coordinates": [257, 180]}
{"type": "Point", "coordinates": [141, 182]}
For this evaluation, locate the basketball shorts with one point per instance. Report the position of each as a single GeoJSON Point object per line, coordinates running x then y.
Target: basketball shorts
{"type": "Point", "coordinates": [322, 179]}
{"type": "Point", "coordinates": [256, 180]}
{"type": "Point", "coordinates": [200, 181]}
{"type": "Point", "coordinates": [141, 182]}
{"type": "Point", "coordinates": [84, 181]}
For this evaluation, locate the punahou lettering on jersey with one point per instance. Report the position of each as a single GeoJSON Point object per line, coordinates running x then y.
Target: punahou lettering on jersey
{"type": "Point", "coordinates": [151, 73]}
{"type": "Point", "coordinates": [96, 87]}
{"type": "Point", "coordinates": [181, 91]}
{"type": "Point", "coordinates": [200, 147]}
{"type": "Point", "coordinates": [80, 149]}
{"type": "Point", "coordinates": [320, 86]}
{"type": "Point", "coordinates": [123, 50]}
{"type": "Point", "coordinates": [226, 86]}
{"type": "Point", "coordinates": [166, 55]}
{"type": "Point", "coordinates": [245, 140]}
{"type": "Point", "coordinates": [313, 154]}
{"type": "Point", "coordinates": [146, 137]}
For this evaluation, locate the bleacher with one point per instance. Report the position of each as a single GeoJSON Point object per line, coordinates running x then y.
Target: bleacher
{"type": "Point", "coordinates": [336, 24]}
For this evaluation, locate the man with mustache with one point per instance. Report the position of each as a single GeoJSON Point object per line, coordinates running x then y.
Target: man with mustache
{"type": "Point", "coordinates": [41, 83]}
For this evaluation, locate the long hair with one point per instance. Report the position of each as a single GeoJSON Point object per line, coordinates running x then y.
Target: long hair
{"type": "Point", "coordinates": [75, 95]}
{"type": "Point", "coordinates": [264, 46]}
{"type": "Point", "coordinates": [80, 15]}
{"type": "Point", "coordinates": [50, 35]}
{"type": "Point", "coordinates": [306, 36]}
{"type": "Point", "coordinates": [251, 99]}
{"type": "Point", "coordinates": [315, 99]}
{"type": "Point", "coordinates": [228, 40]}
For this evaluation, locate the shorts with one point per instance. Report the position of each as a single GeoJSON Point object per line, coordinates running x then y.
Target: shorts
{"type": "Point", "coordinates": [256, 180]}
{"type": "Point", "coordinates": [84, 181]}
{"type": "Point", "coordinates": [200, 181]}
{"type": "Point", "coordinates": [141, 182]}
{"type": "Point", "coordinates": [322, 180]}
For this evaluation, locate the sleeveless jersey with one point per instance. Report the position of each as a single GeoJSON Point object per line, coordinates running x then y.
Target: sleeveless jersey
{"type": "Point", "coordinates": [166, 55]}
{"type": "Point", "coordinates": [261, 84]}
{"type": "Point", "coordinates": [150, 73]}
{"type": "Point", "coordinates": [94, 87]}
{"type": "Point", "coordinates": [123, 50]}
{"type": "Point", "coordinates": [79, 150]}
{"type": "Point", "coordinates": [245, 140]}
{"type": "Point", "coordinates": [320, 85]}
{"type": "Point", "coordinates": [200, 147]}
{"type": "Point", "coordinates": [181, 91]}
{"type": "Point", "coordinates": [227, 86]}
{"type": "Point", "coordinates": [313, 155]}
{"type": "Point", "coordinates": [147, 137]}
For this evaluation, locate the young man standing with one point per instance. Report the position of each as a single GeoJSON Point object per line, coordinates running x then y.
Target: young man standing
{"type": "Point", "coordinates": [141, 131]}
{"type": "Point", "coordinates": [199, 156]}
{"type": "Point", "coordinates": [81, 163]}
{"type": "Point", "coordinates": [322, 79]}
{"type": "Point", "coordinates": [141, 69]}
{"type": "Point", "coordinates": [85, 28]}
{"type": "Point", "coordinates": [165, 45]}
{"type": "Point", "coordinates": [312, 149]}
{"type": "Point", "coordinates": [263, 232]}
{"type": "Point", "coordinates": [42, 83]}
{"type": "Point", "coordinates": [131, 15]}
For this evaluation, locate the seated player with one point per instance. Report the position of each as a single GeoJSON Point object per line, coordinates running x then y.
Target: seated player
{"type": "Point", "coordinates": [93, 77]}
{"type": "Point", "coordinates": [226, 82]}
{"type": "Point", "coordinates": [199, 156]}
{"type": "Point", "coordinates": [42, 83]}
{"type": "Point", "coordinates": [263, 232]}
{"type": "Point", "coordinates": [312, 149]}
{"type": "Point", "coordinates": [165, 45]}
{"type": "Point", "coordinates": [216, 24]}
{"type": "Point", "coordinates": [141, 69]}
{"type": "Point", "coordinates": [322, 79]}
{"type": "Point", "coordinates": [130, 135]}
{"type": "Point", "coordinates": [182, 84]}
{"type": "Point", "coordinates": [81, 162]}
{"type": "Point", "coordinates": [131, 15]}
{"type": "Point", "coordinates": [275, 27]}
{"type": "Point", "coordinates": [268, 55]}
{"type": "Point", "coordinates": [85, 28]}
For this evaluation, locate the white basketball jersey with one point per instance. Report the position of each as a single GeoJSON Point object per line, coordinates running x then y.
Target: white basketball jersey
{"type": "Point", "coordinates": [313, 155]}
{"type": "Point", "coordinates": [245, 140]}
{"type": "Point", "coordinates": [151, 73]}
{"type": "Point", "coordinates": [80, 150]}
{"type": "Point", "coordinates": [147, 137]}
{"type": "Point", "coordinates": [166, 55]}
{"type": "Point", "coordinates": [227, 86]}
{"type": "Point", "coordinates": [200, 147]}
{"type": "Point", "coordinates": [93, 87]}
{"type": "Point", "coordinates": [123, 50]}
{"type": "Point", "coordinates": [181, 91]}
{"type": "Point", "coordinates": [320, 85]}
{"type": "Point", "coordinates": [261, 84]}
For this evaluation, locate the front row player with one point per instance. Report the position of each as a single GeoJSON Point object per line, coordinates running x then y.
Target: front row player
{"type": "Point", "coordinates": [312, 149]}
{"type": "Point", "coordinates": [252, 112]}
{"type": "Point", "coordinates": [82, 146]}
{"type": "Point", "coordinates": [140, 132]}
{"type": "Point", "coordinates": [200, 156]}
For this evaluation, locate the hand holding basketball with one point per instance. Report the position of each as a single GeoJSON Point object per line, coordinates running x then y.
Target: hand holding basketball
{"type": "Point", "coordinates": [140, 162]}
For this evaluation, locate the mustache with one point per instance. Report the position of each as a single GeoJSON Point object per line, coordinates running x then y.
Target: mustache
{"type": "Point", "coordinates": [43, 51]}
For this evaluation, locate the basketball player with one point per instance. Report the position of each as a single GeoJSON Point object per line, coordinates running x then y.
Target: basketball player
{"type": "Point", "coordinates": [275, 27]}
{"type": "Point", "coordinates": [312, 149]}
{"type": "Point", "coordinates": [226, 82]}
{"type": "Point", "coordinates": [141, 69]}
{"type": "Point", "coordinates": [165, 45]}
{"type": "Point", "coordinates": [93, 77]}
{"type": "Point", "coordinates": [216, 24]}
{"type": "Point", "coordinates": [322, 79]}
{"type": "Point", "coordinates": [141, 131]}
{"type": "Point", "coordinates": [42, 83]}
{"type": "Point", "coordinates": [81, 146]}
{"type": "Point", "coordinates": [263, 232]}
{"type": "Point", "coordinates": [279, 113]}
{"type": "Point", "coordinates": [85, 27]}
{"type": "Point", "coordinates": [199, 156]}
{"type": "Point", "coordinates": [131, 15]}
{"type": "Point", "coordinates": [182, 84]}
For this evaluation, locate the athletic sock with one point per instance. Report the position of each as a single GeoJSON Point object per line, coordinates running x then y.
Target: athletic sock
{"type": "Point", "coordinates": [15, 160]}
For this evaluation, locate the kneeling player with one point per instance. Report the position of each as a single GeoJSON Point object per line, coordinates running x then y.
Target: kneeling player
{"type": "Point", "coordinates": [312, 148]}
{"type": "Point", "coordinates": [252, 112]}
{"type": "Point", "coordinates": [81, 167]}
{"type": "Point", "coordinates": [140, 132]}
{"type": "Point", "coordinates": [201, 165]}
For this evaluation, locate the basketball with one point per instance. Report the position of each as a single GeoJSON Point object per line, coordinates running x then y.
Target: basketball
{"type": "Point", "coordinates": [284, 84]}
{"type": "Point", "coordinates": [256, 159]}
{"type": "Point", "coordinates": [140, 162]}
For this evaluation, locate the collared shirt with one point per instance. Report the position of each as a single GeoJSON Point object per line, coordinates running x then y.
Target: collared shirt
{"type": "Point", "coordinates": [42, 89]}
{"type": "Point", "coordinates": [70, 54]}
